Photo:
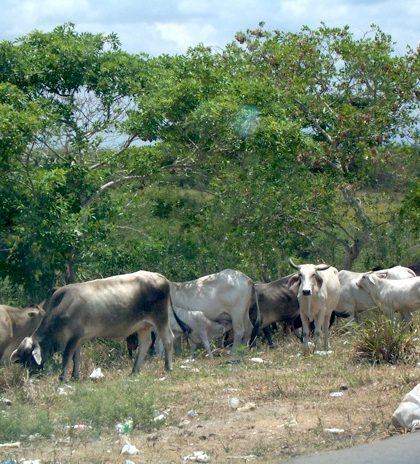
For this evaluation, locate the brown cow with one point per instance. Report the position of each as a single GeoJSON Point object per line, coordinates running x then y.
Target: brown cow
{"type": "Point", "coordinates": [114, 307]}
{"type": "Point", "coordinates": [15, 325]}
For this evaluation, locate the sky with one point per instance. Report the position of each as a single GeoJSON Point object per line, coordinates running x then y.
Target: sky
{"type": "Point", "coordinates": [171, 26]}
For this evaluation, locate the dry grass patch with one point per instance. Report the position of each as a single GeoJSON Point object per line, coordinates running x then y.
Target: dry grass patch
{"type": "Point", "coordinates": [290, 391]}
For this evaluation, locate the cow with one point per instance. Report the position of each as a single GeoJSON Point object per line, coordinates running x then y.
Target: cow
{"type": "Point", "coordinates": [276, 303]}
{"type": "Point", "coordinates": [318, 291]}
{"type": "Point", "coordinates": [392, 296]}
{"type": "Point", "coordinates": [200, 329]}
{"type": "Point", "coordinates": [15, 325]}
{"type": "Point", "coordinates": [223, 296]}
{"type": "Point", "coordinates": [353, 299]}
{"type": "Point", "coordinates": [113, 307]}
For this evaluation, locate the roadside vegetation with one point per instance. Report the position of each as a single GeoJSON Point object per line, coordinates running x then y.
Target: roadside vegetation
{"type": "Point", "coordinates": [281, 145]}
{"type": "Point", "coordinates": [288, 398]}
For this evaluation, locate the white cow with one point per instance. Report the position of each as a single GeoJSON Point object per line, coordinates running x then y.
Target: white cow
{"type": "Point", "coordinates": [201, 329]}
{"type": "Point", "coordinates": [353, 299]}
{"type": "Point", "coordinates": [226, 295]}
{"type": "Point", "coordinates": [318, 294]}
{"type": "Point", "coordinates": [392, 295]}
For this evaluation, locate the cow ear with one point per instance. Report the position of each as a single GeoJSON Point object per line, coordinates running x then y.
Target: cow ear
{"type": "Point", "coordinates": [14, 357]}
{"type": "Point", "coordinates": [36, 353]}
{"type": "Point", "coordinates": [371, 279]}
{"type": "Point", "coordinates": [293, 282]}
{"type": "Point", "coordinates": [381, 275]}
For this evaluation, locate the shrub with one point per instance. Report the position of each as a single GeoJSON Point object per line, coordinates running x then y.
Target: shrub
{"type": "Point", "coordinates": [381, 340]}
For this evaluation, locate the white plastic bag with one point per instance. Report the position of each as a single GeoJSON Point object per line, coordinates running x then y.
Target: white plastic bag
{"type": "Point", "coordinates": [408, 412]}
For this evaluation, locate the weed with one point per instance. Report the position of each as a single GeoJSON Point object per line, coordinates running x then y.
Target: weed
{"type": "Point", "coordinates": [380, 340]}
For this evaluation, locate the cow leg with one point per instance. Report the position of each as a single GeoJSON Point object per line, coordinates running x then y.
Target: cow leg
{"type": "Point", "coordinates": [145, 340]}
{"type": "Point", "coordinates": [206, 344]}
{"type": "Point", "coordinates": [68, 353]}
{"type": "Point", "coordinates": [325, 328]}
{"type": "Point", "coordinates": [193, 347]}
{"type": "Point", "coordinates": [238, 334]}
{"type": "Point", "coordinates": [76, 364]}
{"type": "Point", "coordinates": [167, 337]}
{"type": "Point", "coordinates": [319, 327]}
{"type": "Point", "coordinates": [305, 329]}
{"type": "Point", "coordinates": [268, 337]}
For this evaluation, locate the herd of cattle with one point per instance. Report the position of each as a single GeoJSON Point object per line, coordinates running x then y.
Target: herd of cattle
{"type": "Point", "coordinates": [227, 302]}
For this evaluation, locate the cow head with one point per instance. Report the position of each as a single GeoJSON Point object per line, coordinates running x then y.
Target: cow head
{"type": "Point", "coordinates": [27, 353]}
{"type": "Point", "coordinates": [308, 279]}
{"type": "Point", "coordinates": [368, 281]}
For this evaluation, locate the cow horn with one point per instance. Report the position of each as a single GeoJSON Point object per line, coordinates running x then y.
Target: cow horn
{"type": "Point", "coordinates": [322, 267]}
{"type": "Point", "coordinates": [293, 264]}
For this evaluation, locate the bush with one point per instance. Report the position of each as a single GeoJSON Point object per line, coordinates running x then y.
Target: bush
{"type": "Point", "coordinates": [381, 340]}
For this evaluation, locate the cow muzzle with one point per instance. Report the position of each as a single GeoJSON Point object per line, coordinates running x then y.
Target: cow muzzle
{"type": "Point", "coordinates": [306, 292]}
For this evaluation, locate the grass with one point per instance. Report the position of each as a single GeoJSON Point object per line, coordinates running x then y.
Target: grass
{"type": "Point", "coordinates": [291, 391]}
{"type": "Point", "coordinates": [379, 340]}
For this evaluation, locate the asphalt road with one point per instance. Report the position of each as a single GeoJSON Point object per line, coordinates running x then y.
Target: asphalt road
{"type": "Point", "coordinates": [402, 449]}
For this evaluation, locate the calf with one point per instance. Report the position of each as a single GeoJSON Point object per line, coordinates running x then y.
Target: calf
{"type": "Point", "coordinates": [108, 308]}
{"type": "Point", "coordinates": [392, 295]}
{"type": "Point", "coordinates": [201, 330]}
{"type": "Point", "coordinates": [354, 299]}
{"type": "Point", "coordinates": [318, 291]}
{"type": "Point", "coordinates": [15, 325]}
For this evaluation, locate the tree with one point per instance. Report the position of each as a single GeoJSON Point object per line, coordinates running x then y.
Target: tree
{"type": "Point", "coordinates": [318, 108]}
{"type": "Point", "coordinates": [66, 95]}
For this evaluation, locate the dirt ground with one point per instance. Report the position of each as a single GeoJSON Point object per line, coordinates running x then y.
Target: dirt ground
{"type": "Point", "coordinates": [289, 404]}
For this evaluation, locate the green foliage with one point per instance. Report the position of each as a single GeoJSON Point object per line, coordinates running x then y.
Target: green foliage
{"type": "Point", "coordinates": [22, 421]}
{"type": "Point", "coordinates": [382, 340]}
{"type": "Point", "coordinates": [91, 405]}
{"type": "Point", "coordinates": [88, 404]}
{"type": "Point", "coordinates": [278, 145]}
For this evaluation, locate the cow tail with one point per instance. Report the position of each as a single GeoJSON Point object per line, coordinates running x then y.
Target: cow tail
{"type": "Point", "coordinates": [257, 324]}
{"type": "Point", "coordinates": [186, 329]}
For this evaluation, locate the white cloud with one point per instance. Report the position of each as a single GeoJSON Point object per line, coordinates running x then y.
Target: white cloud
{"type": "Point", "coordinates": [185, 35]}
{"type": "Point", "coordinates": [171, 26]}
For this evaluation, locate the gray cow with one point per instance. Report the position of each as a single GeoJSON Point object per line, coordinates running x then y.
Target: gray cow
{"type": "Point", "coordinates": [114, 307]}
{"type": "Point", "coordinates": [15, 325]}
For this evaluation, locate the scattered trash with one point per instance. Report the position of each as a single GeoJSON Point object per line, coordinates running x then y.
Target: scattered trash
{"type": "Point", "coordinates": [124, 427]}
{"type": "Point", "coordinates": [197, 456]}
{"type": "Point", "coordinates": [78, 427]}
{"type": "Point", "coordinates": [336, 394]}
{"type": "Point", "coordinates": [334, 430]}
{"type": "Point", "coordinates": [8, 461]}
{"type": "Point", "coordinates": [161, 416]}
{"type": "Point", "coordinates": [407, 414]}
{"type": "Point", "coordinates": [247, 407]}
{"type": "Point", "coordinates": [234, 403]}
{"type": "Point", "coordinates": [6, 401]}
{"type": "Point", "coordinates": [129, 449]}
{"type": "Point", "coordinates": [96, 374]}
{"type": "Point", "coordinates": [162, 379]}
{"type": "Point", "coordinates": [344, 387]}
{"type": "Point", "coordinates": [16, 444]}
{"type": "Point", "coordinates": [65, 390]}
{"type": "Point", "coordinates": [192, 413]}
{"type": "Point", "coordinates": [292, 422]}
{"type": "Point", "coordinates": [257, 360]}
{"type": "Point", "coordinates": [30, 461]}
{"type": "Point", "coordinates": [324, 353]}
{"type": "Point", "coordinates": [128, 461]}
